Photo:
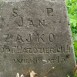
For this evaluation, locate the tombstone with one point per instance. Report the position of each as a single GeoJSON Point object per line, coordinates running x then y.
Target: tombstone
{"type": "Point", "coordinates": [35, 37]}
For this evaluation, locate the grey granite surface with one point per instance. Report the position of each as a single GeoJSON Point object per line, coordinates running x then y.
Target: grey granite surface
{"type": "Point", "coordinates": [35, 36]}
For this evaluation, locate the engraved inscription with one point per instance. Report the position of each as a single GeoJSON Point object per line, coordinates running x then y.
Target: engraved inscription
{"type": "Point", "coordinates": [39, 37]}
{"type": "Point", "coordinates": [40, 50]}
{"type": "Point", "coordinates": [37, 60]}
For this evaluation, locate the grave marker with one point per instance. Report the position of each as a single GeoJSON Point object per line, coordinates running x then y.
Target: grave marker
{"type": "Point", "coordinates": [35, 36]}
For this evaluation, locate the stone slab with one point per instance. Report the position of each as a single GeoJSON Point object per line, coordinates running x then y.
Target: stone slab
{"type": "Point", "coordinates": [35, 36]}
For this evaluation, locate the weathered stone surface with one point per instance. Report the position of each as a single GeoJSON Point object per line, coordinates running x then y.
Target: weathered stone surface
{"type": "Point", "coordinates": [35, 35]}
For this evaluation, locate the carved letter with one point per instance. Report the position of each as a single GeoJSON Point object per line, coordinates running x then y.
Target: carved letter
{"type": "Point", "coordinates": [19, 21]}
{"type": "Point", "coordinates": [49, 11]}
{"type": "Point", "coordinates": [40, 37]}
{"type": "Point", "coordinates": [42, 23]}
{"type": "Point", "coordinates": [29, 39]}
{"type": "Point", "coordinates": [31, 22]}
{"type": "Point", "coordinates": [51, 37]}
{"type": "Point", "coordinates": [15, 12]}
{"type": "Point", "coordinates": [19, 38]}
